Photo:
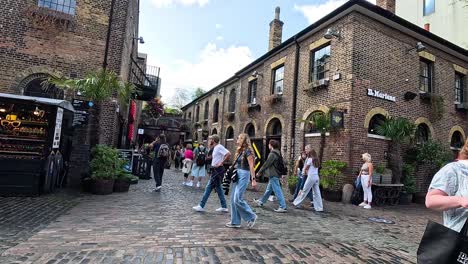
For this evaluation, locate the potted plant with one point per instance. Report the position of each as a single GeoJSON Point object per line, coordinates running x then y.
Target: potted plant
{"type": "Point", "coordinates": [378, 172]}
{"type": "Point", "coordinates": [122, 178]}
{"type": "Point", "coordinates": [331, 170]}
{"type": "Point", "coordinates": [409, 188]}
{"type": "Point", "coordinates": [292, 183]}
{"type": "Point", "coordinates": [103, 169]}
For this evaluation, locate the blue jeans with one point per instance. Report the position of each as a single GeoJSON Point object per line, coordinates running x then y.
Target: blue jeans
{"type": "Point", "coordinates": [208, 190]}
{"type": "Point", "coordinates": [239, 208]}
{"type": "Point", "coordinates": [299, 186]}
{"type": "Point", "coordinates": [274, 186]}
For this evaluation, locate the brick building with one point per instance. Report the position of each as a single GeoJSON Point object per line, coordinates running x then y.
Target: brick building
{"type": "Point", "coordinates": [69, 38]}
{"type": "Point", "coordinates": [362, 61]}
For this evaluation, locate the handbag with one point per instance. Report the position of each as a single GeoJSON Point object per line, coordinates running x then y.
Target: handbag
{"type": "Point", "coordinates": [442, 245]}
{"type": "Point", "coordinates": [230, 176]}
{"type": "Point", "coordinates": [357, 182]}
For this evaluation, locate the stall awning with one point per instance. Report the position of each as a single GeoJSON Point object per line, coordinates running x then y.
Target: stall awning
{"type": "Point", "coordinates": [48, 101]}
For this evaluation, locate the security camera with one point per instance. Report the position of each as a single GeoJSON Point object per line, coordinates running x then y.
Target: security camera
{"type": "Point", "coordinates": [254, 74]}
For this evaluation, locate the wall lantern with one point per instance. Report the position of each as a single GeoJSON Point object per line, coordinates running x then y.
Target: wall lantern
{"type": "Point", "coordinates": [410, 96]}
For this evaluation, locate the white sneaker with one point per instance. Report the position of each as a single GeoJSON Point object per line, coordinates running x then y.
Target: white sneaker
{"type": "Point", "coordinates": [198, 208]}
{"type": "Point", "coordinates": [232, 226]}
{"type": "Point", "coordinates": [362, 204]}
{"type": "Point", "coordinates": [223, 210]}
{"type": "Point", "coordinates": [189, 184]}
{"type": "Point", "coordinates": [251, 223]}
{"type": "Point", "coordinates": [281, 210]}
{"type": "Point", "coordinates": [158, 188]}
{"type": "Point", "coordinates": [198, 184]}
{"type": "Point", "coordinates": [271, 198]}
{"type": "Point", "coordinates": [367, 207]}
{"type": "Point", "coordinates": [184, 183]}
{"type": "Point", "coordinates": [258, 202]}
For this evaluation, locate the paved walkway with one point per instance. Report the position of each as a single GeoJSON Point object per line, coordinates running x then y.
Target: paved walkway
{"type": "Point", "coordinates": [146, 227]}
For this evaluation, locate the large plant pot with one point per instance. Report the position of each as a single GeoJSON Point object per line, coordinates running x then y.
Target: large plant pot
{"type": "Point", "coordinates": [406, 198]}
{"type": "Point", "coordinates": [87, 185]}
{"type": "Point", "coordinates": [332, 196]}
{"type": "Point", "coordinates": [121, 186]}
{"type": "Point", "coordinates": [102, 187]}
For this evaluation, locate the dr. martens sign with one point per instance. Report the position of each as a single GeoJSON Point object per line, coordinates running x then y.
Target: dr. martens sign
{"type": "Point", "coordinates": [378, 94]}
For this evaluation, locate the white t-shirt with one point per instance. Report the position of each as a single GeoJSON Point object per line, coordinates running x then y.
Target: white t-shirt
{"type": "Point", "coordinates": [306, 162]}
{"type": "Point", "coordinates": [219, 152]}
{"type": "Point", "coordinates": [312, 172]}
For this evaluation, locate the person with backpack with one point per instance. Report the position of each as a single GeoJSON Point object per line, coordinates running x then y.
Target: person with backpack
{"type": "Point", "coordinates": [311, 167]}
{"type": "Point", "coordinates": [162, 154]}
{"type": "Point", "coordinates": [199, 168]}
{"type": "Point", "coordinates": [274, 168]}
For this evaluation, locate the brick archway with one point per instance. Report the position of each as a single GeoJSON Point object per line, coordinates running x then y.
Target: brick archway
{"type": "Point", "coordinates": [373, 112]}
{"type": "Point", "coordinates": [312, 109]}
{"type": "Point", "coordinates": [423, 120]}
{"type": "Point", "coordinates": [25, 77]}
{"type": "Point", "coordinates": [455, 129]}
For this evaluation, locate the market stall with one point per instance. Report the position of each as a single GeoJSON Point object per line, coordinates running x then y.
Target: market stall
{"type": "Point", "coordinates": [35, 144]}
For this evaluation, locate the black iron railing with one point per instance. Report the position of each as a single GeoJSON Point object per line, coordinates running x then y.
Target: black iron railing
{"type": "Point", "coordinates": [146, 80]}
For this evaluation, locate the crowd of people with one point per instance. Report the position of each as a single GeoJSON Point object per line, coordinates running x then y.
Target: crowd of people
{"type": "Point", "coordinates": [200, 162]}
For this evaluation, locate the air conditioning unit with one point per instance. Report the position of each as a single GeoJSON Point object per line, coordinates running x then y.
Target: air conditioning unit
{"type": "Point", "coordinates": [321, 83]}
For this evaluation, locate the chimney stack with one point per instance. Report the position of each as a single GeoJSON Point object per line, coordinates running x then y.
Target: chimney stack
{"type": "Point", "coordinates": [276, 31]}
{"type": "Point", "coordinates": [387, 4]}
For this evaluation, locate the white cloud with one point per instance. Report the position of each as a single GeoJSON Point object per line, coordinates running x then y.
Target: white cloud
{"type": "Point", "coordinates": [214, 66]}
{"type": "Point", "coordinates": [169, 3]}
{"type": "Point", "coordinates": [218, 26]}
{"type": "Point", "coordinates": [219, 38]}
{"type": "Point", "coordinates": [315, 12]}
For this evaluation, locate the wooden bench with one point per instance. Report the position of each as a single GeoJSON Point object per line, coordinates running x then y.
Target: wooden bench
{"type": "Point", "coordinates": [383, 191]}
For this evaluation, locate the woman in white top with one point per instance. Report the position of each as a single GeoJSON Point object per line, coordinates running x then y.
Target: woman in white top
{"type": "Point", "coordinates": [311, 167]}
{"type": "Point", "coordinates": [366, 180]}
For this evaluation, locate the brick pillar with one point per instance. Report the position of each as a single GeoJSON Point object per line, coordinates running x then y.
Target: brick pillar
{"type": "Point", "coordinates": [387, 4]}
{"type": "Point", "coordinates": [276, 31]}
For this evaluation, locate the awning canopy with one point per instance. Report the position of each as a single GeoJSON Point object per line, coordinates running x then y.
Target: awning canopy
{"type": "Point", "coordinates": [48, 101]}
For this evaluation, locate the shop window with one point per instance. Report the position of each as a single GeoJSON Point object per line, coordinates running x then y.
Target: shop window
{"type": "Point", "coordinates": [319, 64]}
{"type": "Point", "coordinates": [207, 109]}
{"type": "Point", "coordinates": [376, 121]}
{"type": "Point", "coordinates": [459, 88]}
{"type": "Point", "coordinates": [215, 111]}
{"type": "Point", "coordinates": [64, 6]}
{"type": "Point", "coordinates": [456, 141]}
{"type": "Point", "coordinates": [429, 7]}
{"type": "Point", "coordinates": [252, 96]}
{"type": "Point", "coordinates": [422, 134]}
{"type": "Point", "coordinates": [232, 101]}
{"type": "Point", "coordinates": [214, 131]}
{"type": "Point", "coordinates": [278, 82]}
{"type": "Point", "coordinates": [250, 130]}
{"type": "Point", "coordinates": [310, 125]}
{"type": "Point", "coordinates": [197, 114]}
{"type": "Point", "coordinates": [230, 133]}
{"type": "Point", "coordinates": [427, 76]}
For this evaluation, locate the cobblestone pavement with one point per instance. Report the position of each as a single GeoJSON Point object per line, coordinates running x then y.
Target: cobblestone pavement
{"type": "Point", "coordinates": [147, 227]}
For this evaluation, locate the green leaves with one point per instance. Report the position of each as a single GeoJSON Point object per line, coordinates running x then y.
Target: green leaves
{"type": "Point", "coordinates": [105, 163]}
{"type": "Point", "coordinates": [397, 129]}
{"type": "Point", "coordinates": [97, 86]}
{"type": "Point", "coordinates": [433, 153]}
{"type": "Point", "coordinates": [329, 173]}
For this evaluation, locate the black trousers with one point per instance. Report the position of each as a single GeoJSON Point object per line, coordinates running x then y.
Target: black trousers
{"type": "Point", "coordinates": [158, 170]}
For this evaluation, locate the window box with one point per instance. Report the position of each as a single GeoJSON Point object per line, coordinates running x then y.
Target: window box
{"type": "Point", "coordinates": [253, 107]}
{"type": "Point", "coordinates": [425, 96]}
{"type": "Point", "coordinates": [230, 116]}
{"type": "Point", "coordinates": [318, 85]}
{"type": "Point", "coordinates": [276, 98]}
{"type": "Point", "coordinates": [46, 16]}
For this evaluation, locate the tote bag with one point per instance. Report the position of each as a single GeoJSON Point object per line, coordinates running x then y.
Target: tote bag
{"type": "Point", "coordinates": [442, 245]}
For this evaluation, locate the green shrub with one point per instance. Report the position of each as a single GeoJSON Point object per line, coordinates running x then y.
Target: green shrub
{"type": "Point", "coordinates": [331, 170]}
{"type": "Point", "coordinates": [380, 169]}
{"type": "Point", "coordinates": [104, 163]}
{"type": "Point", "coordinates": [433, 153]}
{"type": "Point", "coordinates": [292, 180]}
{"type": "Point", "coordinates": [408, 178]}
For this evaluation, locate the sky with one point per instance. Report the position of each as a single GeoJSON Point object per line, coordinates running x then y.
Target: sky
{"type": "Point", "coordinates": [201, 43]}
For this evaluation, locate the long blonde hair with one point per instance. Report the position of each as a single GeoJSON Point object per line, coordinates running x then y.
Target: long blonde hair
{"type": "Point", "coordinates": [464, 152]}
{"type": "Point", "coordinates": [244, 143]}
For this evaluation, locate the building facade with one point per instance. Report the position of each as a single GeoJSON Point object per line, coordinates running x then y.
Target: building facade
{"type": "Point", "coordinates": [444, 18]}
{"type": "Point", "coordinates": [40, 38]}
{"type": "Point", "coordinates": [361, 62]}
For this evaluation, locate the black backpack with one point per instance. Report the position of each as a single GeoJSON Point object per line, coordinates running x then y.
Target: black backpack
{"type": "Point", "coordinates": [280, 166]}
{"type": "Point", "coordinates": [201, 157]}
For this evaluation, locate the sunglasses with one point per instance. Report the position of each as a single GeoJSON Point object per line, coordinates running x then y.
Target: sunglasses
{"type": "Point", "coordinates": [12, 123]}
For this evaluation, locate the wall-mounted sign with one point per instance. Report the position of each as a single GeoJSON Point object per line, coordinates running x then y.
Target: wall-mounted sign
{"type": "Point", "coordinates": [58, 128]}
{"type": "Point", "coordinates": [337, 119]}
{"type": "Point", "coordinates": [378, 94]}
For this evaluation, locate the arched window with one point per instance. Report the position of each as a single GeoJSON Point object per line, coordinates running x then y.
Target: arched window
{"type": "Point", "coordinates": [375, 121]}
{"type": "Point", "coordinates": [230, 133]}
{"type": "Point", "coordinates": [190, 115]}
{"type": "Point", "coordinates": [197, 114]}
{"type": "Point", "coordinates": [35, 88]}
{"type": "Point", "coordinates": [214, 131]}
{"type": "Point", "coordinates": [250, 130]}
{"type": "Point", "coordinates": [274, 128]}
{"type": "Point", "coordinates": [422, 133]}
{"type": "Point", "coordinates": [207, 109]}
{"type": "Point", "coordinates": [215, 111]}
{"type": "Point", "coordinates": [457, 140]}
{"type": "Point", "coordinates": [232, 101]}
{"type": "Point", "coordinates": [311, 126]}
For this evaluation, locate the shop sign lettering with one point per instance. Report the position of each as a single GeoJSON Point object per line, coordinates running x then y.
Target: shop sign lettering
{"type": "Point", "coordinates": [378, 94]}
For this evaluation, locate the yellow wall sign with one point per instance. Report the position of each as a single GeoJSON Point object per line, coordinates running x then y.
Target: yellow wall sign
{"type": "Point", "coordinates": [258, 157]}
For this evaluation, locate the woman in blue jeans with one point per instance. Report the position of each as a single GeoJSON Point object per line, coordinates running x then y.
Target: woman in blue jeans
{"type": "Point", "coordinates": [271, 170]}
{"type": "Point", "coordinates": [245, 172]}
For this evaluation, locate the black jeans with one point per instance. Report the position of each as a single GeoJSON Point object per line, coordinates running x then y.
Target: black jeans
{"type": "Point", "coordinates": [158, 170]}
